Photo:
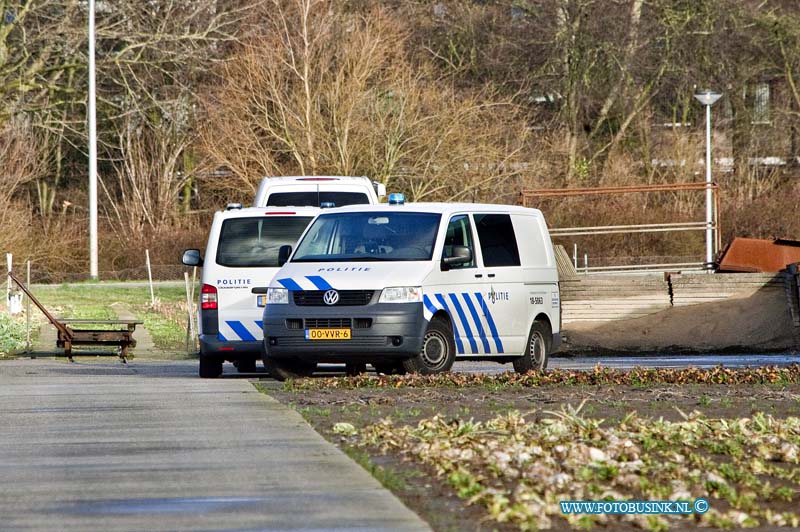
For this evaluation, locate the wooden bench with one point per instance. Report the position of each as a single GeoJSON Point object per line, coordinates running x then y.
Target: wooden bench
{"type": "Point", "coordinates": [117, 333]}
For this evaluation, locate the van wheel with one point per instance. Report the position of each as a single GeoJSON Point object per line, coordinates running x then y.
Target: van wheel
{"type": "Point", "coordinates": [246, 365]}
{"type": "Point", "coordinates": [438, 350]}
{"type": "Point", "coordinates": [210, 367]}
{"type": "Point", "coordinates": [537, 351]}
{"type": "Point", "coordinates": [289, 368]}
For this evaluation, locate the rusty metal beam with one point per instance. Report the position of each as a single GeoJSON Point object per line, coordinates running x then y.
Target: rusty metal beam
{"type": "Point", "coordinates": [530, 194]}
{"type": "Point", "coordinates": [595, 191]}
{"type": "Point", "coordinates": [63, 329]}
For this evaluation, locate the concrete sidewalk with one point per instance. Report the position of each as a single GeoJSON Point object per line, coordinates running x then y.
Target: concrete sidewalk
{"type": "Point", "coordinates": [149, 446]}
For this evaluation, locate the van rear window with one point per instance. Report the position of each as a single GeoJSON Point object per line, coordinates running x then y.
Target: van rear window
{"type": "Point", "coordinates": [254, 242]}
{"type": "Point", "coordinates": [316, 199]}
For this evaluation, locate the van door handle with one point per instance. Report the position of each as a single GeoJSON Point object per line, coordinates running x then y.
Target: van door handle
{"type": "Point", "coordinates": [478, 275]}
{"type": "Point", "coordinates": [490, 275]}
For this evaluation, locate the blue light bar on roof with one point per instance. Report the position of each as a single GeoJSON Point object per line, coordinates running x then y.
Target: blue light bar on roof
{"type": "Point", "coordinates": [396, 198]}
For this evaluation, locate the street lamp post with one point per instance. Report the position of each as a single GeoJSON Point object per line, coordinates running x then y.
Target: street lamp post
{"type": "Point", "coordinates": [92, 122]}
{"type": "Point", "coordinates": [708, 98]}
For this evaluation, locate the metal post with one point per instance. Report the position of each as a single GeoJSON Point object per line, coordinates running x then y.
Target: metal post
{"type": "Point", "coordinates": [10, 262]}
{"type": "Point", "coordinates": [709, 208]}
{"type": "Point", "coordinates": [28, 314]}
{"type": "Point", "coordinates": [150, 278]}
{"type": "Point", "coordinates": [190, 328]}
{"type": "Point", "coordinates": [708, 98]}
{"type": "Point", "coordinates": [93, 269]}
{"type": "Point", "coordinates": [192, 313]}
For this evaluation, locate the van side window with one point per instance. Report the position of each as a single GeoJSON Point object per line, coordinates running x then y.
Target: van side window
{"type": "Point", "coordinates": [459, 233]}
{"type": "Point", "coordinates": [498, 242]}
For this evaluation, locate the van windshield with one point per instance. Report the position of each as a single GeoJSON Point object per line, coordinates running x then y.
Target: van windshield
{"type": "Point", "coordinates": [369, 236]}
{"type": "Point", "coordinates": [315, 198]}
{"type": "Point", "coordinates": [254, 242]}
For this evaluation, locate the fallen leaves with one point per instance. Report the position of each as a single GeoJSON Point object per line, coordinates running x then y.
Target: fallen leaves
{"type": "Point", "coordinates": [518, 469]}
{"type": "Point", "coordinates": [599, 375]}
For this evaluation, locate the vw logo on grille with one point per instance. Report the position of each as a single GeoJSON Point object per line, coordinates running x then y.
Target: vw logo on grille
{"type": "Point", "coordinates": [331, 297]}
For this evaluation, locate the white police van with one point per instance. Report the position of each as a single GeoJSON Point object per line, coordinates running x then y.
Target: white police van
{"type": "Point", "coordinates": [413, 287]}
{"type": "Point", "coordinates": [241, 257]}
{"type": "Point", "coordinates": [318, 190]}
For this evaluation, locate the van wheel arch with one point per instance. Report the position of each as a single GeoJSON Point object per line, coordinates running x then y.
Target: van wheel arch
{"type": "Point", "coordinates": [442, 315]}
{"type": "Point", "coordinates": [438, 347]}
{"type": "Point", "coordinates": [537, 348]}
{"type": "Point", "coordinates": [545, 319]}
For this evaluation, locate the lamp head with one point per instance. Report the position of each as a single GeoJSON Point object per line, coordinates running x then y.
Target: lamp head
{"type": "Point", "coordinates": [708, 97]}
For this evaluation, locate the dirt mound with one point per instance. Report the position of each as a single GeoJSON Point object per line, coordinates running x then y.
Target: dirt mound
{"type": "Point", "coordinates": [760, 322]}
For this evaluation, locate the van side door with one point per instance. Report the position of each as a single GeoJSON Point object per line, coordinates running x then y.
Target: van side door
{"type": "Point", "coordinates": [457, 288]}
{"type": "Point", "coordinates": [505, 300]}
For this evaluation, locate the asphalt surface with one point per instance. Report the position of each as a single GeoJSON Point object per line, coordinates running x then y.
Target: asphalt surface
{"type": "Point", "coordinates": [656, 360]}
{"type": "Point", "coordinates": [149, 446]}
{"type": "Point", "coordinates": [618, 362]}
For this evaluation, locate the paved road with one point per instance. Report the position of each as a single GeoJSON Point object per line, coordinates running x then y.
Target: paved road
{"type": "Point", "coordinates": [659, 361]}
{"type": "Point", "coordinates": [148, 446]}
{"type": "Point", "coordinates": [621, 362]}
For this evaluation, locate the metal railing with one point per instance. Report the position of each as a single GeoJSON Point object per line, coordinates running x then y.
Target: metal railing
{"type": "Point", "coordinates": [531, 194]}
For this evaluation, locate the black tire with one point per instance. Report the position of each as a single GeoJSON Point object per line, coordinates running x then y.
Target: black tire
{"type": "Point", "coordinates": [438, 350]}
{"type": "Point", "coordinates": [246, 365]}
{"type": "Point", "coordinates": [390, 368]}
{"type": "Point", "coordinates": [537, 350]}
{"type": "Point", "coordinates": [210, 367]}
{"type": "Point", "coordinates": [288, 368]}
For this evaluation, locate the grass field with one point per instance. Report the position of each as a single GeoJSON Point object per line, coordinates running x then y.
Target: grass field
{"type": "Point", "coordinates": [165, 321]}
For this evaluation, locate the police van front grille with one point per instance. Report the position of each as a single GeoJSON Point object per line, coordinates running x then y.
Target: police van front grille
{"type": "Point", "coordinates": [329, 323]}
{"type": "Point", "coordinates": [356, 341]}
{"type": "Point", "coordinates": [347, 298]}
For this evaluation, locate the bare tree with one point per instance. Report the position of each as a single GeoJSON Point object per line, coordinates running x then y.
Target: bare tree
{"type": "Point", "coordinates": [21, 163]}
{"type": "Point", "coordinates": [147, 179]}
{"type": "Point", "coordinates": [324, 91]}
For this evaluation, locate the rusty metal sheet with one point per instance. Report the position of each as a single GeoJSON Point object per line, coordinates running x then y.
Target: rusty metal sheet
{"type": "Point", "coordinates": [757, 255]}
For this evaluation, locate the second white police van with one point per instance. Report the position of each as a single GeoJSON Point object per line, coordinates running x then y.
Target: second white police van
{"type": "Point", "coordinates": [242, 255]}
{"type": "Point", "coordinates": [413, 287]}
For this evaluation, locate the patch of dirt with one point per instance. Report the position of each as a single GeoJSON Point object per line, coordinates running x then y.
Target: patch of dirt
{"type": "Point", "coordinates": [760, 322]}
{"type": "Point", "coordinates": [436, 502]}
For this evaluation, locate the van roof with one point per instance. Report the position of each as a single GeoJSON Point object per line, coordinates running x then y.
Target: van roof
{"type": "Point", "coordinates": [441, 208]}
{"type": "Point", "coordinates": [342, 179]}
{"type": "Point", "coordinates": [269, 211]}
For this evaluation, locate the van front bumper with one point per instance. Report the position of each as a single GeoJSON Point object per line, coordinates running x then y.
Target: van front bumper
{"type": "Point", "coordinates": [394, 331]}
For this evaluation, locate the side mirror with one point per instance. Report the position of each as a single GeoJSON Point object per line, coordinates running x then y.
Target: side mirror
{"type": "Point", "coordinates": [191, 257]}
{"type": "Point", "coordinates": [283, 255]}
{"type": "Point", "coordinates": [461, 255]}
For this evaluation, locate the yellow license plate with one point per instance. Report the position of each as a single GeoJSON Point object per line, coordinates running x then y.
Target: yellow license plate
{"type": "Point", "coordinates": [327, 334]}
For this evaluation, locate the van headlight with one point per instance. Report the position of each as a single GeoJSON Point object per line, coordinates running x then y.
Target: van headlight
{"type": "Point", "coordinates": [277, 296]}
{"type": "Point", "coordinates": [401, 294]}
